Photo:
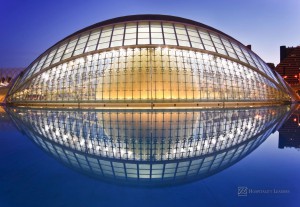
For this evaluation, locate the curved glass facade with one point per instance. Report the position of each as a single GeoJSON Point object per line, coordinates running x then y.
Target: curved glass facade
{"type": "Point", "coordinates": [167, 60]}
{"type": "Point", "coordinates": [151, 147]}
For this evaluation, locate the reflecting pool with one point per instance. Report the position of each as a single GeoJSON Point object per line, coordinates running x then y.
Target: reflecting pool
{"type": "Point", "coordinates": [127, 150]}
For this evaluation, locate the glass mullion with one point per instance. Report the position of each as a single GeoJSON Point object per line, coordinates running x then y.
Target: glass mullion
{"type": "Point", "coordinates": [93, 41]}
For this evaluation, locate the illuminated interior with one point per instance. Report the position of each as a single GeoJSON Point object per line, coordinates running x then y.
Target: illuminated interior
{"type": "Point", "coordinates": [162, 60]}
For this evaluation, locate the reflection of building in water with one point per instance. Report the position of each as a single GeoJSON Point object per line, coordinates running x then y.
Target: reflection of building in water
{"type": "Point", "coordinates": [150, 147]}
{"type": "Point", "coordinates": [5, 120]}
{"type": "Point", "coordinates": [289, 133]}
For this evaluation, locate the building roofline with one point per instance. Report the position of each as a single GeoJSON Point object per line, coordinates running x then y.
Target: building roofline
{"type": "Point", "coordinates": [136, 17]}
{"type": "Point", "coordinates": [146, 17]}
{"type": "Point", "coordinates": [132, 18]}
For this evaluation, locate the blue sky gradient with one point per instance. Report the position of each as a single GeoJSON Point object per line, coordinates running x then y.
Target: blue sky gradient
{"type": "Point", "coordinates": [29, 27]}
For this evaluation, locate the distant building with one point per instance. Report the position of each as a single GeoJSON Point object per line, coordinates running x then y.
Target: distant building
{"type": "Point", "coordinates": [7, 75]}
{"type": "Point", "coordinates": [289, 66]}
{"type": "Point", "coordinates": [271, 65]}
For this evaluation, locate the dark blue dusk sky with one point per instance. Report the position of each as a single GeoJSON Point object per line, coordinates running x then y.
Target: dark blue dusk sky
{"type": "Point", "coordinates": [29, 27]}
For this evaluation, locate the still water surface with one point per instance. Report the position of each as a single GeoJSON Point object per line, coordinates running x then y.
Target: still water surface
{"type": "Point", "coordinates": [203, 157]}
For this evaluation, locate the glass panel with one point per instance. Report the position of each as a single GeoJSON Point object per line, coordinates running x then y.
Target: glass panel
{"type": "Point", "coordinates": [130, 42]}
{"type": "Point", "coordinates": [156, 27]}
{"type": "Point", "coordinates": [169, 34]}
{"type": "Point", "coordinates": [239, 52]}
{"type": "Point", "coordinates": [206, 40]}
{"type": "Point", "coordinates": [93, 40]}
{"type": "Point", "coordinates": [248, 57]}
{"type": "Point", "coordinates": [70, 48]}
{"type": "Point", "coordinates": [194, 37]}
{"type": "Point", "coordinates": [50, 57]}
{"type": "Point", "coordinates": [144, 41]}
{"type": "Point", "coordinates": [218, 44]}
{"type": "Point", "coordinates": [105, 38]}
{"type": "Point", "coordinates": [143, 27]}
{"type": "Point", "coordinates": [81, 44]}
{"type": "Point", "coordinates": [156, 33]}
{"type": "Point", "coordinates": [143, 33]}
{"type": "Point", "coordinates": [117, 38]}
{"type": "Point", "coordinates": [183, 39]}
{"type": "Point", "coordinates": [157, 41]}
{"type": "Point", "coordinates": [130, 34]}
{"type": "Point", "coordinates": [229, 48]}
{"type": "Point", "coordinates": [59, 53]}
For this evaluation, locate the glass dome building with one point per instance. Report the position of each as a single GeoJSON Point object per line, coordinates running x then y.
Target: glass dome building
{"type": "Point", "coordinates": [148, 59]}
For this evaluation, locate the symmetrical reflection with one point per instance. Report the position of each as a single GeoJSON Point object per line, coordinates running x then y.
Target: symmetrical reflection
{"type": "Point", "coordinates": [5, 121]}
{"type": "Point", "coordinates": [150, 147]}
{"type": "Point", "coordinates": [289, 133]}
